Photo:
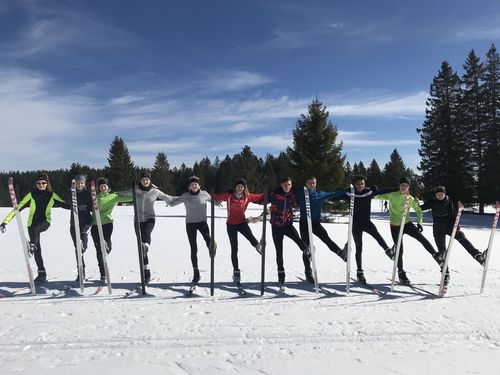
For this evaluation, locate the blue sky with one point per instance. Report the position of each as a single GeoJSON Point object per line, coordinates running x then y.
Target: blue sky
{"type": "Point", "coordinates": [204, 78]}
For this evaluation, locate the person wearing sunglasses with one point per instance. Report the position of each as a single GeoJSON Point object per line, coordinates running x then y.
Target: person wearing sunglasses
{"type": "Point", "coordinates": [40, 202]}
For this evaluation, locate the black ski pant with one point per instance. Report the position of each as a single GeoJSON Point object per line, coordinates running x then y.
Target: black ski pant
{"type": "Point", "coordinates": [440, 233]}
{"type": "Point", "coordinates": [146, 228]}
{"type": "Point", "coordinates": [357, 234]}
{"type": "Point", "coordinates": [411, 230]}
{"type": "Point", "coordinates": [321, 233]}
{"type": "Point", "coordinates": [232, 232]}
{"type": "Point", "coordinates": [34, 233]}
{"type": "Point", "coordinates": [192, 230]}
{"type": "Point", "coordinates": [84, 237]}
{"type": "Point", "coordinates": [107, 230]}
{"type": "Point", "coordinates": [278, 234]}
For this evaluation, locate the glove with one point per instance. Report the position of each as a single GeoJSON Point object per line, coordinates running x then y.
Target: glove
{"type": "Point", "coordinates": [3, 228]}
{"type": "Point", "coordinates": [420, 228]}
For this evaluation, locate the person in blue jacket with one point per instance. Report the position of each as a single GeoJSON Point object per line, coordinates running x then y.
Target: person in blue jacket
{"type": "Point", "coordinates": [316, 199]}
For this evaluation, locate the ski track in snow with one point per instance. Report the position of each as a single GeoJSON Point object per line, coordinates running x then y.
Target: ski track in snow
{"type": "Point", "coordinates": [405, 332]}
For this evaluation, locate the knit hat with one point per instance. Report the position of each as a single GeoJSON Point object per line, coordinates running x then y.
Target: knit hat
{"type": "Point", "coordinates": [146, 174]}
{"type": "Point", "coordinates": [193, 179]}
{"type": "Point", "coordinates": [440, 189]}
{"type": "Point", "coordinates": [42, 177]}
{"type": "Point", "coordinates": [102, 181]}
{"type": "Point", "coordinates": [241, 181]}
{"type": "Point", "coordinates": [404, 180]}
{"type": "Point", "coordinates": [81, 177]}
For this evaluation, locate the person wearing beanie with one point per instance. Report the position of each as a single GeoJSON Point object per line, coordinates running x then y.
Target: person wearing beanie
{"type": "Point", "coordinates": [237, 201]}
{"type": "Point", "coordinates": [362, 222]}
{"type": "Point", "coordinates": [106, 202]}
{"type": "Point", "coordinates": [84, 203]}
{"type": "Point", "coordinates": [40, 202]}
{"type": "Point", "coordinates": [195, 201]}
{"type": "Point", "coordinates": [283, 200]}
{"type": "Point", "coordinates": [316, 200]}
{"type": "Point", "coordinates": [443, 220]}
{"type": "Point", "coordinates": [147, 194]}
{"type": "Point", "coordinates": [397, 202]}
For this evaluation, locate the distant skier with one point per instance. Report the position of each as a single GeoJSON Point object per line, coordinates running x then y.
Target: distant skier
{"type": "Point", "coordinates": [316, 199]}
{"type": "Point", "coordinates": [84, 201]}
{"type": "Point", "coordinates": [195, 200]}
{"type": "Point", "coordinates": [106, 202]}
{"type": "Point", "coordinates": [396, 205]}
{"type": "Point", "coordinates": [283, 200]}
{"type": "Point", "coordinates": [443, 216]}
{"type": "Point", "coordinates": [40, 201]}
{"type": "Point", "coordinates": [363, 196]}
{"type": "Point", "coordinates": [147, 194]}
{"type": "Point", "coordinates": [237, 203]}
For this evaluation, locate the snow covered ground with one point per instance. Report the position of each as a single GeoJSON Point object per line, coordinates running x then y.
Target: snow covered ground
{"type": "Point", "coordinates": [300, 332]}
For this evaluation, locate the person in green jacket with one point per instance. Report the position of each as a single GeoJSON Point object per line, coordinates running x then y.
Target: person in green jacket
{"type": "Point", "coordinates": [40, 202]}
{"type": "Point", "coordinates": [397, 202]}
{"type": "Point", "coordinates": [107, 202]}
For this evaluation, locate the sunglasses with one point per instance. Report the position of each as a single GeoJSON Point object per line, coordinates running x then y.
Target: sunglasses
{"type": "Point", "coordinates": [41, 182]}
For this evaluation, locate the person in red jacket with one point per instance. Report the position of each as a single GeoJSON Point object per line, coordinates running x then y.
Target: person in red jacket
{"type": "Point", "coordinates": [237, 202]}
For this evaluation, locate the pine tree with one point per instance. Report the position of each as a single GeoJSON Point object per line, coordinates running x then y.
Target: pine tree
{"type": "Point", "coordinates": [474, 115]}
{"type": "Point", "coordinates": [394, 170]}
{"type": "Point", "coordinates": [491, 172]}
{"type": "Point", "coordinates": [374, 174]}
{"type": "Point", "coordinates": [359, 169]}
{"type": "Point", "coordinates": [120, 170]}
{"type": "Point", "coordinates": [444, 150]}
{"type": "Point", "coordinates": [246, 164]}
{"type": "Point", "coordinates": [268, 174]}
{"type": "Point", "coordinates": [348, 174]}
{"type": "Point", "coordinates": [161, 174]}
{"type": "Point", "coordinates": [315, 152]}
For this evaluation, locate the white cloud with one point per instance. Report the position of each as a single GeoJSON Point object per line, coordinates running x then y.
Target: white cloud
{"type": "Point", "coordinates": [235, 80]}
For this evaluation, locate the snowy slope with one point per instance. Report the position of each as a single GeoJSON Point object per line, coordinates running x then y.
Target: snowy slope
{"type": "Point", "coordinates": [405, 332]}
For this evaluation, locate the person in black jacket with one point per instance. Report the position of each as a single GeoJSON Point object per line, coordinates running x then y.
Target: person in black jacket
{"type": "Point", "coordinates": [443, 216]}
{"type": "Point", "coordinates": [84, 202]}
{"type": "Point", "coordinates": [363, 196]}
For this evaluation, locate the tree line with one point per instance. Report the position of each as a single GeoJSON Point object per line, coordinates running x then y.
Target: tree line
{"type": "Point", "coordinates": [315, 152]}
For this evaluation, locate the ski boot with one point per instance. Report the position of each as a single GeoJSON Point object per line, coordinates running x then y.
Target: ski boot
{"type": "Point", "coordinates": [309, 277]}
{"type": "Point", "coordinates": [360, 275]}
{"type": "Point", "coordinates": [145, 248]}
{"type": "Point", "coordinates": [236, 276]}
{"type": "Point", "coordinates": [343, 253]}
{"type": "Point", "coordinates": [481, 257]}
{"type": "Point", "coordinates": [147, 276]}
{"type": "Point", "coordinates": [403, 279]}
{"type": "Point", "coordinates": [439, 258]}
{"type": "Point", "coordinates": [307, 253]}
{"type": "Point", "coordinates": [41, 278]}
{"type": "Point", "coordinates": [258, 248]}
{"type": "Point", "coordinates": [390, 252]}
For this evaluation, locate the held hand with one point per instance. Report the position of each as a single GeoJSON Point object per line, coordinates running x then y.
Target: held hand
{"type": "Point", "coordinates": [3, 228]}
{"type": "Point", "coordinates": [420, 228]}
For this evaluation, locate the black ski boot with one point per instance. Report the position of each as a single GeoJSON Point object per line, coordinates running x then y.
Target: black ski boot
{"type": "Point", "coordinates": [360, 275]}
{"type": "Point", "coordinates": [391, 252]}
{"type": "Point", "coordinates": [439, 258]}
{"type": "Point", "coordinates": [102, 280]}
{"type": "Point", "coordinates": [343, 253]}
{"type": "Point", "coordinates": [78, 276]}
{"type": "Point", "coordinates": [307, 253]}
{"type": "Point", "coordinates": [309, 277]}
{"type": "Point", "coordinates": [403, 279]}
{"type": "Point", "coordinates": [236, 276]}
{"type": "Point", "coordinates": [481, 257]}
{"type": "Point", "coordinates": [147, 276]}
{"type": "Point", "coordinates": [196, 276]}
{"type": "Point", "coordinates": [41, 278]}
{"type": "Point", "coordinates": [281, 277]}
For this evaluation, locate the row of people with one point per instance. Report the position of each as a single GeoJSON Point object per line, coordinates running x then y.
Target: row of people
{"type": "Point", "coordinates": [282, 199]}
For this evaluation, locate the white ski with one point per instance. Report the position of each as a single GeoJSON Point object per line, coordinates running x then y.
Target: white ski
{"type": "Point", "coordinates": [442, 287]}
{"type": "Point", "coordinates": [490, 244]}
{"type": "Point", "coordinates": [74, 206]}
{"type": "Point", "coordinates": [24, 242]}
{"type": "Point", "coordinates": [349, 245]}
{"type": "Point", "coordinates": [312, 249]}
